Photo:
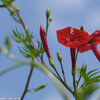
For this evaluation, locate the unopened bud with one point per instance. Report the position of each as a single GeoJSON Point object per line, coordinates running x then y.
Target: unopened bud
{"type": "Point", "coordinates": [44, 41]}
{"type": "Point", "coordinates": [59, 56]}
{"type": "Point", "coordinates": [11, 10]}
{"type": "Point", "coordinates": [48, 13]}
{"type": "Point", "coordinates": [83, 68]}
{"type": "Point", "coordinates": [51, 62]}
{"type": "Point", "coordinates": [82, 28]}
{"type": "Point", "coordinates": [50, 18]}
{"type": "Point", "coordinates": [17, 9]}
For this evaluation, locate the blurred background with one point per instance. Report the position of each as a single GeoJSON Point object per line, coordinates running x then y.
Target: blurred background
{"type": "Point", "coordinates": [65, 13]}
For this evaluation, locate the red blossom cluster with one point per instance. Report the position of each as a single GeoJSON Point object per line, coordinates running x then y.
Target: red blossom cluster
{"type": "Point", "coordinates": [75, 39]}
{"type": "Point", "coordinates": [78, 39]}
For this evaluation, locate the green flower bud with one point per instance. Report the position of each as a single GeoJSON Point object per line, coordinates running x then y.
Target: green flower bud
{"type": "Point", "coordinates": [50, 18]}
{"type": "Point", "coordinates": [59, 56]}
{"type": "Point", "coordinates": [11, 10]}
{"type": "Point", "coordinates": [83, 68]}
{"type": "Point", "coordinates": [48, 13]}
{"type": "Point", "coordinates": [51, 62]}
{"type": "Point", "coordinates": [17, 9]}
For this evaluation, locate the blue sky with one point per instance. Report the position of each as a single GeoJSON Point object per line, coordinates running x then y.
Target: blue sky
{"type": "Point", "coordinates": [65, 13]}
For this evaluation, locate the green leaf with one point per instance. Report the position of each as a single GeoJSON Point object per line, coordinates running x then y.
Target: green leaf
{"type": "Point", "coordinates": [40, 48]}
{"type": "Point", "coordinates": [91, 72]}
{"type": "Point", "coordinates": [94, 74]}
{"type": "Point", "coordinates": [37, 89]}
{"type": "Point", "coordinates": [19, 36]}
{"type": "Point", "coordinates": [90, 76]}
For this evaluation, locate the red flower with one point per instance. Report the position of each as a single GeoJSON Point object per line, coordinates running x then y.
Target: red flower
{"type": "Point", "coordinates": [91, 44]}
{"type": "Point", "coordinates": [72, 37]}
{"type": "Point", "coordinates": [44, 41]}
{"type": "Point", "coordinates": [94, 39]}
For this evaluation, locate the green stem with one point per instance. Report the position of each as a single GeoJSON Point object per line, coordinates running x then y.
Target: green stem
{"type": "Point", "coordinates": [74, 85]}
{"type": "Point", "coordinates": [7, 53]}
{"type": "Point", "coordinates": [42, 67]}
{"type": "Point", "coordinates": [78, 80]}
{"type": "Point", "coordinates": [63, 71]}
{"type": "Point", "coordinates": [47, 25]}
{"type": "Point", "coordinates": [28, 81]}
{"type": "Point", "coordinates": [65, 84]}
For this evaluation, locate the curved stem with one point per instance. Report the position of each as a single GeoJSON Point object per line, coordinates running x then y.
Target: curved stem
{"type": "Point", "coordinates": [63, 71]}
{"type": "Point", "coordinates": [65, 84]}
{"type": "Point", "coordinates": [27, 83]}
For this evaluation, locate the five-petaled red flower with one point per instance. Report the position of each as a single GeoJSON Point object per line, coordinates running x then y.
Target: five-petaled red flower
{"type": "Point", "coordinates": [72, 37]}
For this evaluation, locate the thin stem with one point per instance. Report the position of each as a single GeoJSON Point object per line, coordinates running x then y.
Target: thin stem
{"type": "Point", "coordinates": [28, 81]}
{"type": "Point", "coordinates": [47, 25]}
{"type": "Point", "coordinates": [15, 19]}
{"type": "Point", "coordinates": [63, 71]}
{"type": "Point", "coordinates": [7, 53]}
{"type": "Point", "coordinates": [57, 73]}
{"type": "Point", "coordinates": [78, 80]}
{"type": "Point", "coordinates": [65, 84]}
{"type": "Point", "coordinates": [82, 85]}
{"type": "Point", "coordinates": [74, 85]}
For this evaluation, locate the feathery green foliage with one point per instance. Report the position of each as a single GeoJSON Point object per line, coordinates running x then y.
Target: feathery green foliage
{"type": "Point", "coordinates": [7, 2]}
{"type": "Point", "coordinates": [90, 77]}
{"type": "Point", "coordinates": [37, 89]}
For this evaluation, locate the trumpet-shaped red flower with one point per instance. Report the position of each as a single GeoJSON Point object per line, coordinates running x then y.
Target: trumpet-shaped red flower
{"type": "Point", "coordinates": [91, 44]}
{"type": "Point", "coordinates": [44, 41]}
{"type": "Point", "coordinates": [72, 37]}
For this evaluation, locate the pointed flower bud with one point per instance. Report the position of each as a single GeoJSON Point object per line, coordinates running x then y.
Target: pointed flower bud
{"type": "Point", "coordinates": [51, 62]}
{"type": "Point", "coordinates": [59, 56]}
{"type": "Point", "coordinates": [44, 41]}
{"type": "Point", "coordinates": [48, 13]}
{"type": "Point", "coordinates": [83, 68]}
{"type": "Point", "coordinates": [11, 10]}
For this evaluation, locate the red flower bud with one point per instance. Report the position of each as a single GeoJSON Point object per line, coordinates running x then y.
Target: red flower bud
{"type": "Point", "coordinates": [44, 41]}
